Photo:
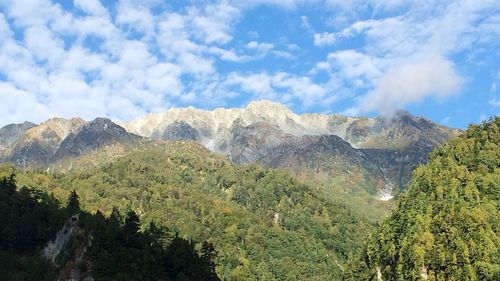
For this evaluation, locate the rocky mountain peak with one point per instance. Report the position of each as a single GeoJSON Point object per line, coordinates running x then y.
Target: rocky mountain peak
{"type": "Point", "coordinates": [267, 107]}
{"type": "Point", "coordinates": [12, 132]}
{"type": "Point", "coordinates": [95, 134]}
{"type": "Point", "coordinates": [56, 127]}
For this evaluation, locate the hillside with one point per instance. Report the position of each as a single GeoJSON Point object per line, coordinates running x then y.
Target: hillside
{"type": "Point", "coordinates": [40, 240]}
{"type": "Point", "coordinates": [447, 225]}
{"type": "Point", "coordinates": [262, 222]}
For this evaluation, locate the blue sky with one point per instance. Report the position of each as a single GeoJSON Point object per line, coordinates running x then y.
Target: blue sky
{"type": "Point", "coordinates": [124, 59]}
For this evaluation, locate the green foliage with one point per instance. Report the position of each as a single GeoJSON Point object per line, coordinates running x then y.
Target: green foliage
{"type": "Point", "coordinates": [28, 219]}
{"type": "Point", "coordinates": [115, 250]}
{"type": "Point", "coordinates": [447, 226]}
{"type": "Point", "coordinates": [263, 223]}
{"type": "Point", "coordinates": [123, 252]}
{"type": "Point", "coordinates": [73, 203]}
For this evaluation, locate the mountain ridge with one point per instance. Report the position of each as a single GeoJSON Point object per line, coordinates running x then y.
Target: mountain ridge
{"type": "Point", "coordinates": [381, 152]}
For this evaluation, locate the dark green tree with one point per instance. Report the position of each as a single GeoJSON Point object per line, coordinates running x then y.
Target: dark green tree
{"type": "Point", "coordinates": [73, 203]}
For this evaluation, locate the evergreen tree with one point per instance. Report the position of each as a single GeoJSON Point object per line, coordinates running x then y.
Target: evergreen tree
{"type": "Point", "coordinates": [73, 203]}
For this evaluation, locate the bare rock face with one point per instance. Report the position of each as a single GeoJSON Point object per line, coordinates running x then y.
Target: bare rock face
{"type": "Point", "coordinates": [37, 144]}
{"type": "Point", "coordinates": [179, 130]}
{"type": "Point", "coordinates": [60, 138]}
{"type": "Point", "coordinates": [71, 262]}
{"type": "Point", "coordinates": [11, 133]}
{"type": "Point", "coordinates": [56, 246]}
{"type": "Point", "coordinates": [95, 134]}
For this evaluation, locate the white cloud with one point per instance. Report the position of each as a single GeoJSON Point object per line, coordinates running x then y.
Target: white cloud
{"type": "Point", "coordinates": [260, 47]}
{"type": "Point", "coordinates": [305, 24]}
{"type": "Point", "coordinates": [406, 57]}
{"type": "Point", "coordinates": [281, 86]}
{"type": "Point", "coordinates": [259, 84]}
{"type": "Point", "coordinates": [412, 82]}
{"type": "Point", "coordinates": [352, 65]}
{"type": "Point", "coordinates": [282, 54]}
{"type": "Point", "coordinates": [127, 58]}
{"type": "Point", "coordinates": [164, 78]}
{"type": "Point", "coordinates": [228, 55]}
{"type": "Point", "coordinates": [5, 31]}
{"type": "Point", "coordinates": [135, 17]}
{"type": "Point", "coordinates": [43, 45]}
{"type": "Point", "coordinates": [324, 39]}
{"type": "Point", "coordinates": [213, 23]}
{"type": "Point", "coordinates": [27, 107]}
{"type": "Point", "coordinates": [91, 7]}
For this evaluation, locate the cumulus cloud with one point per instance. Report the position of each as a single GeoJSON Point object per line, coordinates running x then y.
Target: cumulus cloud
{"type": "Point", "coordinates": [260, 47]}
{"type": "Point", "coordinates": [280, 86]}
{"type": "Point", "coordinates": [412, 82]}
{"type": "Point", "coordinates": [406, 58]}
{"type": "Point", "coordinates": [352, 65]}
{"type": "Point", "coordinates": [27, 107]}
{"type": "Point", "coordinates": [85, 62]}
{"type": "Point", "coordinates": [324, 39]}
{"type": "Point", "coordinates": [91, 7]}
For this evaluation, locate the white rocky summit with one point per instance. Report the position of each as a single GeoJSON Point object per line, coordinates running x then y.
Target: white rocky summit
{"type": "Point", "coordinates": [217, 123]}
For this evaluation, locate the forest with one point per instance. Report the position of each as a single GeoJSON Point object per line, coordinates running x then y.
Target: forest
{"type": "Point", "coordinates": [263, 223]}
{"type": "Point", "coordinates": [447, 225]}
{"type": "Point", "coordinates": [116, 247]}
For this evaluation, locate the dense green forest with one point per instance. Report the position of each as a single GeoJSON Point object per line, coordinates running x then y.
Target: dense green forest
{"type": "Point", "coordinates": [447, 225]}
{"type": "Point", "coordinates": [263, 223]}
{"type": "Point", "coordinates": [115, 247]}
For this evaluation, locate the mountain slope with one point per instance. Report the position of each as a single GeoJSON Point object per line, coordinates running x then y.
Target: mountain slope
{"type": "Point", "coordinates": [37, 145]}
{"type": "Point", "coordinates": [57, 139]}
{"type": "Point", "coordinates": [327, 156]}
{"type": "Point", "coordinates": [263, 223]}
{"type": "Point", "coordinates": [447, 225]}
{"type": "Point", "coordinates": [95, 134]}
{"type": "Point", "coordinates": [79, 246]}
{"type": "Point", "coordinates": [11, 133]}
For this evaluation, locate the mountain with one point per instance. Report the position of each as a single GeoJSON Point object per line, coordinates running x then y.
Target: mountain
{"type": "Point", "coordinates": [37, 145]}
{"type": "Point", "coordinates": [376, 154]}
{"type": "Point", "coordinates": [58, 138]}
{"type": "Point", "coordinates": [11, 133]}
{"type": "Point", "coordinates": [382, 151]}
{"type": "Point", "coordinates": [214, 127]}
{"type": "Point", "coordinates": [92, 135]}
{"type": "Point", "coordinates": [447, 225]}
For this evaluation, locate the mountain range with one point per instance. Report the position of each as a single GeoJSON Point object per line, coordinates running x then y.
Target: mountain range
{"type": "Point", "coordinates": [377, 154]}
